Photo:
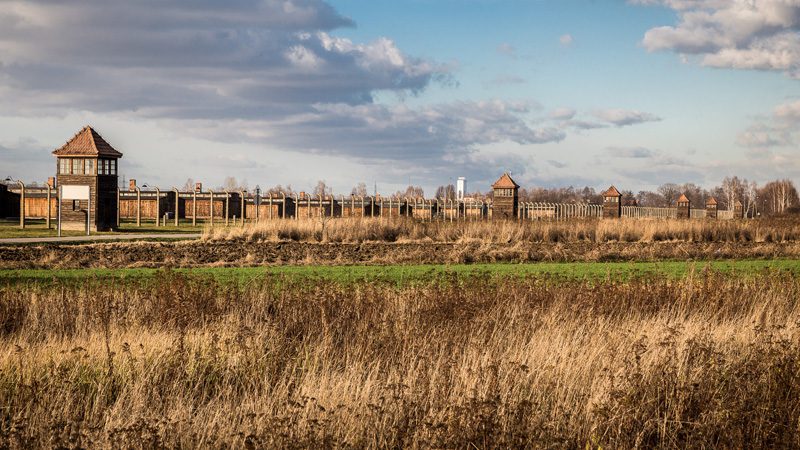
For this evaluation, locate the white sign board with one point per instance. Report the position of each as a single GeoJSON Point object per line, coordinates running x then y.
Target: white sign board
{"type": "Point", "coordinates": [75, 192]}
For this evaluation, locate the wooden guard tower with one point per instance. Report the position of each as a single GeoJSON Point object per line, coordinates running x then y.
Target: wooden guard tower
{"type": "Point", "coordinates": [684, 207]}
{"type": "Point", "coordinates": [506, 198]}
{"type": "Point", "coordinates": [612, 203]}
{"type": "Point", "coordinates": [711, 208]}
{"type": "Point", "coordinates": [88, 160]}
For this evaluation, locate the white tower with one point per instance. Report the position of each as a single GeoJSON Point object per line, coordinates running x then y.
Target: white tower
{"type": "Point", "coordinates": [461, 188]}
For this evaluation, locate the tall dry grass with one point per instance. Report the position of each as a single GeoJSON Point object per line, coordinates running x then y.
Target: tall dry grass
{"type": "Point", "coordinates": [186, 362]}
{"type": "Point", "coordinates": [405, 230]}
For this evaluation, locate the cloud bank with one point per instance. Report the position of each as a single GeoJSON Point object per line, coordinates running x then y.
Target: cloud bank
{"type": "Point", "coordinates": [738, 34]}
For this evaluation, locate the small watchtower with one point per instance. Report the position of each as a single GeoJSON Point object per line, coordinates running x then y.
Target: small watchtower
{"type": "Point", "coordinates": [612, 203]}
{"type": "Point", "coordinates": [711, 208]}
{"type": "Point", "coordinates": [506, 198]}
{"type": "Point", "coordinates": [684, 207]}
{"type": "Point", "coordinates": [88, 160]}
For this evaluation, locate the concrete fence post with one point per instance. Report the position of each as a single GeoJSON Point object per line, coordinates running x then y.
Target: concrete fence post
{"type": "Point", "coordinates": [158, 207]}
{"type": "Point", "coordinates": [177, 204]}
{"type": "Point", "coordinates": [211, 206]}
{"type": "Point", "coordinates": [283, 194]}
{"type": "Point", "coordinates": [21, 204]}
{"type": "Point", "coordinates": [48, 206]}
{"type": "Point", "coordinates": [242, 205]}
{"type": "Point", "coordinates": [138, 207]}
{"type": "Point", "coordinates": [194, 207]}
{"type": "Point", "coordinates": [270, 207]}
{"type": "Point", "coordinates": [227, 206]}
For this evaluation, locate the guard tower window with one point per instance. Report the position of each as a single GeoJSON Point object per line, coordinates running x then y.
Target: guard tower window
{"type": "Point", "coordinates": [63, 166]}
{"type": "Point", "coordinates": [113, 167]}
{"type": "Point", "coordinates": [76, 166]}
{"type": "Point", "coordinates": [88, 167]}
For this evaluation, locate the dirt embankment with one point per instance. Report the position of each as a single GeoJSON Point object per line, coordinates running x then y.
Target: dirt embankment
{"type": "Point", "coordinates": [233, 253]}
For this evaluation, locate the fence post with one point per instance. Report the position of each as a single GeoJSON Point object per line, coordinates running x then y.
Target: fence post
{"type": "Point", "coordinates": [211, 206]}
{"type": "Point", "coordinates": [284, 204]}
{"type": "Point", "coordinates": [242, 205]}
{"type": "Point", "coordinates": [158, 207]}
{"type": "Point", "coordinates": [194, 207]}
{"type": "Point", "coordinates": [177, 203]}
{"type": "Point", "coordinates": [48, 205]}
{"type": "Point", "coordinates": [227, 206]}
{"type": "Point", "coordinates": [138, 207]}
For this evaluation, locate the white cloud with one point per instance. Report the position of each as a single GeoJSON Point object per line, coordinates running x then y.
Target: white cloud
{"type": "Point", "coordinates": [562, 113]}
{"type": "Point", "coordinates": [566, 40]}
{"type": "Point", "coordinates": [779, 130]}
{"type": "Point", "coordinates": [624, 117]}
{"type": "Point", "coordinates": [506, 49]}
{"type": "Point", "coordinates": [739, 34]}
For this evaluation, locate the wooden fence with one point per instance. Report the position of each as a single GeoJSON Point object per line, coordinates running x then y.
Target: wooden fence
{"type": "Point", "coordinates": [175, 207]}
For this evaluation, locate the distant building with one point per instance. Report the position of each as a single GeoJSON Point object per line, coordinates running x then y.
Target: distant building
{"type": "Point", "coordinates": [461, 188]}
{"type": "Point", "coordinates": [684, 207]}
{"type": "Point", "coordinates": [612, 203]}
{"type": "Point", "coordinates": [506, 198]}
{"type": "Point", "coordinates": [711, 208]}
{"type": "Point", "coordinates": [88, 160]}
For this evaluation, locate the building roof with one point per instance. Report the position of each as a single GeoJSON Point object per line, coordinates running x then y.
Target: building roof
{"type": "Point", "coordinates": [683, 199]}
{"type": "Point", "coordinates": [711, 201]}
{"type": "Point", "coordinates": [505, 182]}
{"type": "Point", "coordinates": [87, 142]}
{"type": "Point", "coordinates": [612, 192]}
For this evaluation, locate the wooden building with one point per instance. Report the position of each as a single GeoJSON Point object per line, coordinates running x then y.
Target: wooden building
{"type": "Point", "coordinates": [684, 207]}
{"type": "Point", "coordinates": [506, 198]}
{"type": "Point", "coordinates": [711, 208]}
{"type": "Point", "coordinates": [88, 160]}
{"type": "Point", "coordinates": [612, 203]}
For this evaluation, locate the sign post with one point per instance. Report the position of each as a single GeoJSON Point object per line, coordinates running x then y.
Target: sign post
{"type": "Point", "coordinates": [75, 193]}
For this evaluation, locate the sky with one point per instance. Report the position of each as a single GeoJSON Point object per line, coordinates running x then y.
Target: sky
{"type": "Point", "coordinates": [390, 92]}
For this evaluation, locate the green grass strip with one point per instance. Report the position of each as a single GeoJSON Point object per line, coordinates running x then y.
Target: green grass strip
{"type": "Point", "coordinates": [404, 274]}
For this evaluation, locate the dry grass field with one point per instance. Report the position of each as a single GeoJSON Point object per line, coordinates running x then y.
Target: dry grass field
{"type": "Point", "coordinates": [705, 360]}
{"type": "Point", "coordinates": [589, 230]}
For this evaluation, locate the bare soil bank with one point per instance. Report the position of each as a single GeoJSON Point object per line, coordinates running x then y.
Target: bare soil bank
{"type": "Point", "coordinates": [233, 253]}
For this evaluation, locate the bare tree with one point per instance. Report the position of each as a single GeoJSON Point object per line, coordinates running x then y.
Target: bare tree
{"type": "Point", "coordinates": [410, 192]}
{"type": "Point", "coordinates": [188, 185]}
{"type": "Point", "coordinates": [278, 190]}
{"type": "Point", "coordinates": [778, 196]}
{"type": "Point", "coordinates": [670, 192]}
{"type": "Point", "coordinates": [359, 190]}
{"type": "Point", "coordinates": [446, 192]}
{"type": "Point", "coordinates": [322, 189]}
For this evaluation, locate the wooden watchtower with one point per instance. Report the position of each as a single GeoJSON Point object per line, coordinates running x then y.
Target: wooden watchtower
{"type": "Point", "coordinates": [88, 160]}
{"type": "Point", "coordinates": [711, 208]}
{"type": "Point", "coordinates": [684, 207]}
{"type": "Point", "coordinates": [506, 198]}
{"type": "Point", "coordinates": [612, 203]}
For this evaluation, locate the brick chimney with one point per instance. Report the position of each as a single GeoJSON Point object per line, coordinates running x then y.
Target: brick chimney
{"type": "Point", "coordinates": [198, 187]}
{"type": "Point", "coordinates": [132, 184]}
{"type": "Point", "coordinates": [302, 194]}
{"type": "Point", "coordinates": [51, 181]}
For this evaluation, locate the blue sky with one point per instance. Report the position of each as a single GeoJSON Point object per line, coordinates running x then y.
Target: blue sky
{"type": "Point", "coordinates": [561, 93]}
